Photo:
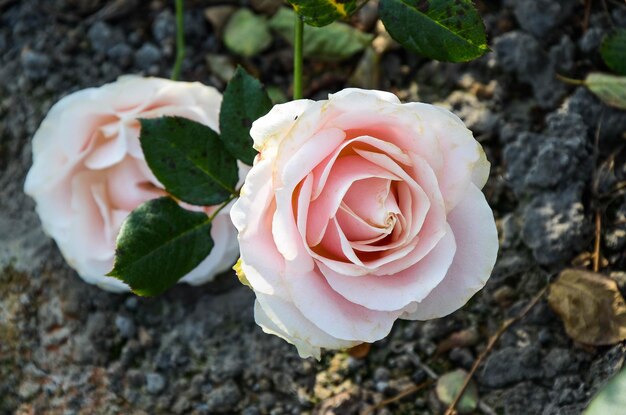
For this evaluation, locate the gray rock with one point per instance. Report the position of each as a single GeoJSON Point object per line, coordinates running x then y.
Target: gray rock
{"type": "Point", "coordinates": [608, 121]}
{"type": "Point", "coordinates": [147, 56]}
{"type": "Point", "coordinates": [511, 365]}
{"type": "Point", "coordinates": [540, 16]}
{"type": "Point", "coordinates": [560, 361]}
{"type": "Point", "coordinates": [543, 161]}
{"type": "Point", "coordinates": [223, 398]}
{"type": "Point", "coordinates": [164, 27]}
{"type": "Point", "coordinates": [462, 357]}
{"type": "Point", "coordinates": [36, 65]}
{"type": "Point", "coordinates": [121, 54]}
{"type": "Point", "coordinates": [619, 17]}
{"type": "Point", "coordinates": [591, 40]}
{"type": "Point", "coordinates": [381, 374]}
{"type": "Point", "coordinates": [555, 226]}
{"type": "Point", "coordinates": [519, 53]}
{"type": "Point", "coordinates": [103, 37]}
{"type": "Point", "coordinates": [125, 326]}
{"type": "Point", "coordinates": [562, 54]}
{"type": "Point", "coordinates": [155, 383]}
{"type": "Point", "coordinates": [525, 398]}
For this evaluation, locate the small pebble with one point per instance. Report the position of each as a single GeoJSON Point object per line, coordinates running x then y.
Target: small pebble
{"type": "Point", "coordinates": [155, 383]}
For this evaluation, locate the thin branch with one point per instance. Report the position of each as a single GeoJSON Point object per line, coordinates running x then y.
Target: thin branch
{"type": "Point", "coordinates": [596, 245]}
{"type": "Point", "coordinates": [492, 342]}
{"type": "Point", "coordinates": [403, 394]}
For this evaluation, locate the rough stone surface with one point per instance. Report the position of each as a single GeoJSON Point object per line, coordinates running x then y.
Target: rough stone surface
{"type": "Point", "coordinates": [539, 17]}
{"type": "Point", "coordinates": [555, 225]}
{"type": "Point", "coordinates": [69, 348]}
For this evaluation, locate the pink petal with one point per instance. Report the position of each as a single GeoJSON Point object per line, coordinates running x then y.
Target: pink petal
{"type": "Point", "coordinates": [460, 150]}
{"type": "Point", "coordinates": [269, 130]}
{"type": "Point", "coordinates": [252, 215]}
{"type": "Point", "coordinates": [335, 315]}
{"type": "Point", "coordinates": [108, 151]}
{"type": "Point", "coordinates": [357, 229]}
{"type": "Point", "coordinates": [222, 256]}
{"type": "Point", "coordinates": [354, 95]}
{"type": "Point", "coordinates": [304, 160]}
{"type": "Point", "coordinates": [283, 319]}
{"type": "Point", "coordinates": [322, 171]}
{"type": "Point", "coordinates": [372, 200]}
{"type": "Point", "coordinates": [393, 292]}
{"type": "Point", "coordinates": [477, 247]}
{"type": "Point", "coordinates": [345, 171]}
{"type": "Point", "coordinates": [89, 223]}
{"type": "Point", "coordinates": [128, 187]}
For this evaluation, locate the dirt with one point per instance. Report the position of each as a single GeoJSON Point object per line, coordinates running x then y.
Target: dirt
{"type": "Point", "coordinates": [556, 152]}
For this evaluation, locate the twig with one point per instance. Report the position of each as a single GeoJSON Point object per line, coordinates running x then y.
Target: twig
{"type": "Point", "coordinates": [596, 245]}
{"type": "Point", "coordinates": [403, 394]}
{"type": "Point", "coordinates": [492, 342]}
{"type": "Point", "coordinates": [595, 191]}
{"type": "Point", "coordinates": [587, 14]}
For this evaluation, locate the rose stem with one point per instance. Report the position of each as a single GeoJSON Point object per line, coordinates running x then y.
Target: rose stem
{"type": "Point", "coordinates": [297, 58]}
{"type": "Point", "coordinates": [180, 41]}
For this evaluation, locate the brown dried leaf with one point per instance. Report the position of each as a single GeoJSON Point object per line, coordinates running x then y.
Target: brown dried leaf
{"type": "Point", "coordinates": [591, 307]}
{"type": "Point", "coordinates": [463, 338]}
{"type": "Point", "coordinates": [360, 351]}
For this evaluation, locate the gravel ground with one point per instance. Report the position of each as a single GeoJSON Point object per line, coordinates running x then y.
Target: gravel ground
{"type": "Point", "coordinates": [69, 348]}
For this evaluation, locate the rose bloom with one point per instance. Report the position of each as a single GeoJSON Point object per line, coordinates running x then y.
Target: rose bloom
{"type": "Point", "coordinates": [89, 171]}
{"type": "Point", "coordinates": [360, 210]}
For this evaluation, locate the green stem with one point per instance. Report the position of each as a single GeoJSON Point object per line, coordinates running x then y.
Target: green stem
{"type": "Point", "coordinates": [180, 41]}
{"type": "Point", "coordinates": [297, 58]}
{"type": "Point", "coordinates": [570, 81]}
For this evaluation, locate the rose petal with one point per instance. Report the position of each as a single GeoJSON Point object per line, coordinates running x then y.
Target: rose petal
{"type": "Point", "coordinates": [252, 216]}
{"type": "Point", "coordinates": [393, 292]}
{"type": "Point", "coordinates": [222, 255]}
{"type": "Point", "coordinates": [476, 238]}
{"type": "Point", "coordinates": [128, 187]}
{"type": "Point", "coordinates": [283, 319]}
{"type": "Point", "coordinates": [335, 315]}
{"type": "Point", "coordinates": [345, 171]}
{"type": "Point", "coordinates": [353, 95]}
{"type": "Point", "coordinates": [322, 171]}
{"type": "Point", "coordinates": [269, 130]}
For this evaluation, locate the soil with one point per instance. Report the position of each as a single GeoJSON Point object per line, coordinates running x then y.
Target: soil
{"type": "Point", "coordinates": [556, 151]}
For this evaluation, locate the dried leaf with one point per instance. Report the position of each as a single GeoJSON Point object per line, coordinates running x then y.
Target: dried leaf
{"type": "Point", "coordinates": [463, 338]}
{"type": "Point", "coordinates": [591, 307]}
{"type": "Point", "coordinates": [360, 351]}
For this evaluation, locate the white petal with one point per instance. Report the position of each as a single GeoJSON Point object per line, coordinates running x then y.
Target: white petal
{"type": "Point", "coordinates": [477, 247]}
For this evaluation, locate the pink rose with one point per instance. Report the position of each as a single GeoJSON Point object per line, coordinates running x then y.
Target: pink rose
{"type": "Point", "coordinates": [89, 171]}
{"type": "Point", "coordinates": [360, 210]}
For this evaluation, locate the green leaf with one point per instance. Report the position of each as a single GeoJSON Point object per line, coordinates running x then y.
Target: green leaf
{"type": "Point", "coordinates": [613, 51]}
{"type": "Point", "coordinates": [246, 33]}
{"type": "Point", "coordinates": [445, 30]}
{"type": "Point", "coordinates": [611, 399]}
{"type": "Point", "coordinates": [609, 88]}
{"type": "Point", "coordinates": [244, 101]}
{"type": "Point", "coordinates": [323, 12]}
{"type": "Point", "coordinates": [189, 159]}
{"type": "Point", "coordinates": [448, 387]}
{"type": "Point", "coordinates": [159, 243]}
{"type": "Point", "coordinates": [335, 42]}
